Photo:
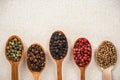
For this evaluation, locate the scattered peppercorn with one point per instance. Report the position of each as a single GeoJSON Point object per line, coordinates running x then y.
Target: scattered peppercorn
{"type": "Point", "coordinates": [106, 54]}
{"type": "Point", "coordinates": [35, 58]}
{"type": "Point", "coordinates": [58, 45]}
{"type": "Point", "coordinates": [14, 49]}
{"type": "Point", "coordinates": [82, 52]}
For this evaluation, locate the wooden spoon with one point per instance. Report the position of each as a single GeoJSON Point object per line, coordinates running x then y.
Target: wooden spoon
{"type": "Point", "coordinates": [79, 54]}
{"type": "Point", "coordinates": [58, 60]}
{"type": "Point", "coordinates": [36, 73]}
{"type": "Point", "coordinates": [104, 48]}
{"type": "Point", "coordinates": [14, 64]}
{"type": "Point", "coordinates": [107, 73]}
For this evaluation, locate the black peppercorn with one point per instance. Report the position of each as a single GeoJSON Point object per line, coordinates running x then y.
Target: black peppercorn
{"type": "Point", "coordinates": [58, 45]}
{"type": "Point", "coordinates": [35, 58]}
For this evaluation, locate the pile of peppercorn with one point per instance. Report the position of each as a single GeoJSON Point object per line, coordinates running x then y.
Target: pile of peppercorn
{"type": "Point", "coordinates": [106, 55]}
{"type": "Point", "coordinates": [35, 58]}
{"type": "Point", "coordinates": [58, 45]}
{"type": "Point", "coordinates": [82, 52]}
{"type": "Point", "coordinates": [14, 49]}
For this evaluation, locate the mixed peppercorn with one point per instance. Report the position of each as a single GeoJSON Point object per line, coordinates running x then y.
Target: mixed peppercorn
{"type": "Point", "coordinates": [35, 58]}
{"type": "Point", "coordinates": [58, 45]}
{"type": "Point", "coordinates": [106, 54]}
{"type": "Point", "coordinates": [82, 52]}
{"type": "Point", "coordinates": [14, 49]}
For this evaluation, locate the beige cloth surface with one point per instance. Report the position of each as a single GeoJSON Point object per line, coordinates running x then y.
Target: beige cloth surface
{"type": "Point", "coordinates": [36, 20]}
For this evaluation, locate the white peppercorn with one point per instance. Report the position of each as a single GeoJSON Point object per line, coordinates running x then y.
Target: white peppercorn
{"type": "Point", "coordinates": [106, 55]}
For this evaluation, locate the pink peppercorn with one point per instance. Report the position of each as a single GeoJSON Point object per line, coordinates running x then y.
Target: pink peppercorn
{"type": "Point", "coordinates": [82, 52]}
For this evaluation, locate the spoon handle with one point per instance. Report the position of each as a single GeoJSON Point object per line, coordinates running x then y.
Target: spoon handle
{"type": "Point", "coordinates": [36, 76]}
{"type": "Point", "coordinates": [107, 74]}
{"type": "Point", "coordinates": [14, 73]}
{"type": "Point", "coordinates": [59, 70]}
{"type": "Point", "coordinates": [82, 70]}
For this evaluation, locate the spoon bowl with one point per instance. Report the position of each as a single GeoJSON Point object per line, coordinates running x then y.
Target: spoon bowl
{"type": "Point", "coordinates": [14, 64]}
{"type": "Point", "coordinates": [36, 72]}
{"type": "Point", "coordinates": [82, 53]}
{"type": "Point", "coordinates": [106, 57]}
{"type": "Point", "coordinates": [58, 47]}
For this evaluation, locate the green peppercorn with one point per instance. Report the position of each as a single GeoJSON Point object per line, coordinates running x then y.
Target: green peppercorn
{"type": "Point", "coordinates": [14, 49]}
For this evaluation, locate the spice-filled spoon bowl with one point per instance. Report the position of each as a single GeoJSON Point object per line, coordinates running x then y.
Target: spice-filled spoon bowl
{"type": "Point", "coordinates": [36, 60]}
{"type": "Point", "coordinates": [106, 58]}
{"type": "Point", "coordinates": [82, 53]}
{"type": "Point", "coordinates": [58, 47]}
{"type": "Point", "coordinates": [14, 52]}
